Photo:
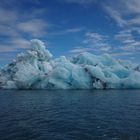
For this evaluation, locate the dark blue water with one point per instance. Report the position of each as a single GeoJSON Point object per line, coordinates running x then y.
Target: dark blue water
{"type": "Point", "coordinates": [70, 115]}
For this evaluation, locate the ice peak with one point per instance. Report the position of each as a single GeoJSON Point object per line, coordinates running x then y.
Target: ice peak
{"type": "Point", "coordinates": [37, 45]}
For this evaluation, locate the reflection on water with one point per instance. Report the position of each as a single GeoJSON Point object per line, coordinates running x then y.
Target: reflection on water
{"type": "Point", "coordinates": [69, 114]}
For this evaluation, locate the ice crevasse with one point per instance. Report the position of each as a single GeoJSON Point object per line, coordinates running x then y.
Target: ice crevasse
{"type": "Point", "coordinates": [36, 69]}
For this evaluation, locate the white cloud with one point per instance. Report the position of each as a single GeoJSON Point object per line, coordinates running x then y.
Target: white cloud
{"type": "Point", "coordinates": [7, 31]}
{"type": "Point", "coordinates": [81, 49]}
{"type": "Point", "coordinates": [105, 48]}
{"type": "Point", "coordinates": [127, 40]}
{"type": "Point", "coordinates": [125, 13]}
{"type": "Point", "coordinates": [20, 43]}
{"type": "Point", "coordinates": [124, 36]}
{"type": "Point", "coordinates": [127, 16]}
{"type": "Point", "coordinates": [35, 27]}
{"type": "Point", "coordinates": [132, 6]}
{"type": "Point", "coordinates": [18, 26]}
{"type": "Point", "coordinates": [134, 21]}
{"type": "Point", "coordinates": [96, 36]}
{"type": "Point", "coordinates": [67, 31]}
{"type": "Point", "coordinates": [14, 44]}
{"type": "Point", "coordinates": [116, 15]}
{"type": "Point", "coordinates": [94, 42]}
{"type": "Point", "coordinates": [7, 16]}
{"type": "Point", "coordinates": [74, 30]}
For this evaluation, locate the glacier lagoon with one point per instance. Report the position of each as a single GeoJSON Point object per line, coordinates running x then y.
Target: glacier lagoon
{"type": "Point", "coordinates": [70, 114]}
{"type": "Point", "coordinates": [36, 69]}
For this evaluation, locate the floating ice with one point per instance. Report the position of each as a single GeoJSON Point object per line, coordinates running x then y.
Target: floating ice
{"type": "Point", "coordinates": [36, 69]}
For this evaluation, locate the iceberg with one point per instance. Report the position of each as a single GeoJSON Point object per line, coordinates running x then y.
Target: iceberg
{"type": "Point", "coordinates": [36, 69]}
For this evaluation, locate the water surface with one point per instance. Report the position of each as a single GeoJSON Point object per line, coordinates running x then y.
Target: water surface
{"type": "Point", "coordinates": [69, 115]}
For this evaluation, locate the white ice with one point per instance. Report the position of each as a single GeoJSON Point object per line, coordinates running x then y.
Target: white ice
{"type": "Point", "coordinates": [36, 69]}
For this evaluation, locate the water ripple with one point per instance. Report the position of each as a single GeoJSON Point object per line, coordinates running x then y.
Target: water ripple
{"type": "Point", "coordinates": [69, 115]}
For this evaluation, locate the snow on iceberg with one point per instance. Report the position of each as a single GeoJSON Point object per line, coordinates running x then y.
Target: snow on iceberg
{"type": "Point", "coordinates": [36, 69]}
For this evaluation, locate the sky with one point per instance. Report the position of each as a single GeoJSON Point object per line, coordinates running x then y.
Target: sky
{"type": "Point", "coordinates": [70, 27]}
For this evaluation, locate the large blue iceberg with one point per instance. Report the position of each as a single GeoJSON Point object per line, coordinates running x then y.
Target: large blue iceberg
{"type": "Point", "coordinates": [36, 69]}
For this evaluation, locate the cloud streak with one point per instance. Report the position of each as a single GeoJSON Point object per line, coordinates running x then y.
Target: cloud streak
{"type": "Point", "coordinates": [18, 27]}
{"type": "Point", "coordinates": [127, 17]}
{"type": "Point", "coordinates": [34, 27]}
{"type": "Point", "coordinates": [93, 42]}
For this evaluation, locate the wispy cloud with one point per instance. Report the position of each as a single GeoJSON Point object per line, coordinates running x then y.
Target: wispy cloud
{"type": "Point", "coordinates": [125, 13]}
{"type": "Point", "coordinates": [34, 27]}
{"type": "Point", "coordinates": [7, 16]}
{"type": "Point", "coordinates": [16, 27]}
{"type": "Point", "coordinates": [127, 18]}
{"type": "Point", "coordinates": [97, 42]}
{"type": "Point", "coordinates": [132, 6]}
{"type": "Point", "coordinates": [74, 30]}
{"type": "Point", "coordinates": [93, 42]}
{"type": "Point", "coordinates": [14, 44]}
{"type": "Point", "coordinates": [124, 36]}
{"type": "Point", "coordinates": [128, 40]}
{"type": "Point", "coordinates": [115, 15]}
{"type": "Point", "coordinates": [67, 31]}
{"type": "Point", "coordinates": [80, 49]}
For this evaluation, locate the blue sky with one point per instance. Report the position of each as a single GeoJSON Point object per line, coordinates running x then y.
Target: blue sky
{"type": "Point", "coordinates": [69, 27]}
